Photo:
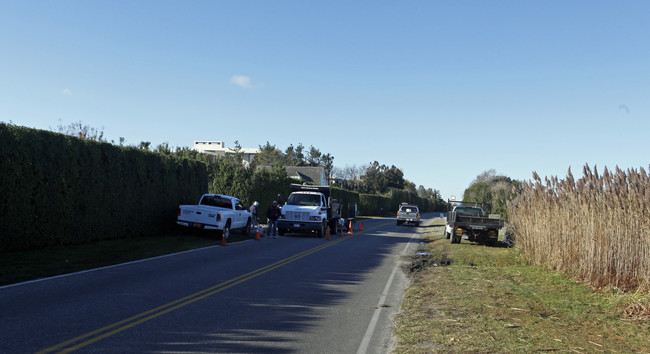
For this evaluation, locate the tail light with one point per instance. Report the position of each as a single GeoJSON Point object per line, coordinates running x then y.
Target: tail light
{"type": "Point", "coordinates": [218, 217]}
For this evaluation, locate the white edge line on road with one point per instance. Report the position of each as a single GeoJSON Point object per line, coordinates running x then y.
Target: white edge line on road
{"type": "Point", "coordinates": [365, 343]}
{"type": "Point", "coordinates": [106, 267]}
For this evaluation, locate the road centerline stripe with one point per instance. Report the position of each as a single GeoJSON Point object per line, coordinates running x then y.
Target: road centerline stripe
{"type": "Point", "coordinates": [145, 316]}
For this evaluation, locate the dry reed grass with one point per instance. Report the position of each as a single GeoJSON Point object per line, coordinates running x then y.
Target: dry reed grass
{"type": "Point", "coordinates": [596, 228]}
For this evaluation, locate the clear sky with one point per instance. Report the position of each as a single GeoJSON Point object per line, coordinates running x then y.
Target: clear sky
{"type": "Point", "coordinates": [443, 90]}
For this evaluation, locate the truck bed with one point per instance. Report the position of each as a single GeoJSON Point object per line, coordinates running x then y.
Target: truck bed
{"type": "Point", "coordinates": [478, 222]}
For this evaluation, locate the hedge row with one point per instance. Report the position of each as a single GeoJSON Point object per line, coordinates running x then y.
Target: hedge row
{"type": "Point", "coordinates": [58, 189]}
{"type": "Point", "coordinates": [346, 198]}
{"type": "Point", "coordinates": [372, 204]}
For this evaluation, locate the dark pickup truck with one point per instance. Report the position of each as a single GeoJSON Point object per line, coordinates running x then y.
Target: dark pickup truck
{"type": "Point", "coordinates": [468, 220]}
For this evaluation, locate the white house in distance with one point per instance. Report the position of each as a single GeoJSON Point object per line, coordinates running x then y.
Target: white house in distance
{"type": "Point", "coordinates": [218, 148]}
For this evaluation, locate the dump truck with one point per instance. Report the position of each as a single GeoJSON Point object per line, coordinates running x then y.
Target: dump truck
{"type": "Point", "coordinates": [310, 209]}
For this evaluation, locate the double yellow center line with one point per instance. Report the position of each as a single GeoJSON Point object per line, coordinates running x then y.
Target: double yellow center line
{"type": "Point", "coordinates": [117, 327]}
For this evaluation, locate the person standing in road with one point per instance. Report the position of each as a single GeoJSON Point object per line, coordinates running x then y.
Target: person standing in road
{"type": "Point", "coordinates": [253, 211]}
{"type": "Point", "coordinates": [273, 214]}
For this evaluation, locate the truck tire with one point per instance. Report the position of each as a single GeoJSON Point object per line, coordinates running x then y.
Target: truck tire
{"type": "Point", "coordinates": [247, 229]}
{"type": "Point", "coordinates": [322, 230]}
{"type": "Point", "coordinates": [281, 232]}
{"type": "Point", "coordinates": [453, 238]}
{"type": "Point", "coordinates": [446, 235]}
{"type": "Point", "coordinates": [226, 230]}
{"type": "Point", "coordinates": [334, 229]}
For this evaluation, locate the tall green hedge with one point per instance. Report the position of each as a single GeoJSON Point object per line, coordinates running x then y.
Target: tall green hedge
{"type": "Point", "coordinates": [345, 197]}
{"type": "Point", "coordinates": [386, 205]}
{"type": "Point", "coordinates": [58, 189]}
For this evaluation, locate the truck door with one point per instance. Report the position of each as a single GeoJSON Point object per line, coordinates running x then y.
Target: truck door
{"type": "Point", "coordinates": [240, 215]}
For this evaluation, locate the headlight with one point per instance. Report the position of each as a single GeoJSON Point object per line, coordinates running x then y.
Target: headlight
{"type": "Point", "coordinates": [314, 218]}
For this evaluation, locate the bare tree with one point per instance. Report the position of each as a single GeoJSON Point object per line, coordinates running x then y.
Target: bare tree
{"type": "Point", "coordinates": [82, 131]}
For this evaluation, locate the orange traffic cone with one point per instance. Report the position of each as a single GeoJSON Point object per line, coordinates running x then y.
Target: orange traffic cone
{"type": "Point", "coordinates": [350, 227]}
{"type": "Point", "coordinates": [257, 233]}
{"type": "Point", "coordinates": [327, 234]}
{"type": "Point", "coordinates": [360, 226]}
{"type": "Point", "coordinates": [223, 240]}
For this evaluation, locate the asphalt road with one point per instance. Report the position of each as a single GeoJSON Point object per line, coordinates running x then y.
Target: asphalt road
{"type": "Point", "coordinates": [296, 293]}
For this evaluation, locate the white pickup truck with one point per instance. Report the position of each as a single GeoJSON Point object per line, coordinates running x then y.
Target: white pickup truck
{"type": "Point", "coordinates": [216, 212]}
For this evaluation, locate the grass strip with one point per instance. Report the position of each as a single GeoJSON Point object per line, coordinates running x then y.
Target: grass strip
{"type": "Point", "coordinates": [468, 297]}
{"type": "Point", "coordinates": [34, 264]}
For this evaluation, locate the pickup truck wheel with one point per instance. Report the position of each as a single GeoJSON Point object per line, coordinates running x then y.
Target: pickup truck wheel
{"type": "Point", "coordinates": [226, 231]}
{"type": "Point", "coordinates": [247, 230]}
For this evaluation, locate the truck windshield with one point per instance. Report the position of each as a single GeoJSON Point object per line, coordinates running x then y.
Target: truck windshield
{"type": "Point", "coordinates": [216, 201]}
{"type": "Point", "coordinates": [304, 199]}
{"type": "Point", "coordinates": [470, 211]}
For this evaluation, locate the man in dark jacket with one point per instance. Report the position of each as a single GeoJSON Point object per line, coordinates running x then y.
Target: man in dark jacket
{"type": "Point", "coordinates": [273, 214]}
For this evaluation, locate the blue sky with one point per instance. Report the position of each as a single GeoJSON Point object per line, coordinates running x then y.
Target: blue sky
{"type": "Point", "coordinates": [444, 90]}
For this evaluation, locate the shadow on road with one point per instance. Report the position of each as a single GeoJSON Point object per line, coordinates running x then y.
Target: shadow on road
{"type": "Point", "coordinates": [274, 312]}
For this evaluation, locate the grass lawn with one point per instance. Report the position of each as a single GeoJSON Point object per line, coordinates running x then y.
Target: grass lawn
{"type": "Point", "coordinates": [473, 298]}
{"type": "Point", "coordinates": [28, 265]}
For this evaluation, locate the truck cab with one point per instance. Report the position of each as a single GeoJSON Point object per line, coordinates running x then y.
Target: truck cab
{"type": "Point", "coordinates": [309, 209]}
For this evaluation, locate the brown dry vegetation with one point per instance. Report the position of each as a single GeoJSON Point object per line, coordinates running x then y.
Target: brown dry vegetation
{"type": "Point", "coordinates": [596, 228]}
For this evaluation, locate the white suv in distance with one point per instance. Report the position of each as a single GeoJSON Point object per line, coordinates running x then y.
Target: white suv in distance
{"type": "Point", "coordinates": [408, 214]}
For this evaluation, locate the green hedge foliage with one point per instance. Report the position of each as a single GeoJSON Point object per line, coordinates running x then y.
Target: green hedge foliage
{"type": "Point", "coordinates": [345, 197]}
{"type": "Point", "coordinates": [58, 189]}
{"type": "Point", "coordinates": [387, 205]}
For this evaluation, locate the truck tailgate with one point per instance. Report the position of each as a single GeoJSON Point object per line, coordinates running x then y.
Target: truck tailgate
{"type": "Point", "coordinates": [479, 222]}
{"type": "Point", "coordinates": [197, 215]}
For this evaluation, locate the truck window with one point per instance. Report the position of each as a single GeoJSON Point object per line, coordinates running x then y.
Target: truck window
{"type": "Point", "coordinates": [304, 199]}
{"type": "Point", "coordinates": [216, 201]}
{"type": "Point", "coordinates": [470, 211]}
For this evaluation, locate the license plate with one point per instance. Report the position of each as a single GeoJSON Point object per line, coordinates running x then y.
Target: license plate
{"type": "Point", "coordinates": [296, 225]}
{"type": "Point", "coordinates": [196, 225]}
{"type": "Point", "coordinates": [478, 227]}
